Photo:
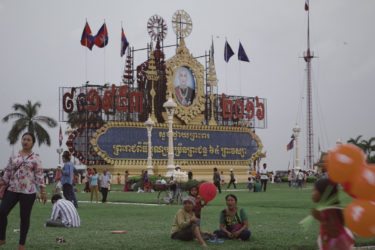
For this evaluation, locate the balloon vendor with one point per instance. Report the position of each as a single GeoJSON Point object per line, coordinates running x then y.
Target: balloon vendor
{"type": "Point", "coordinates": [333, 234]}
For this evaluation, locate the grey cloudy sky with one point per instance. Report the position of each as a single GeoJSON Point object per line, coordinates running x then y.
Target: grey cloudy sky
{"type": "Point", "coordinates": [40, 51]}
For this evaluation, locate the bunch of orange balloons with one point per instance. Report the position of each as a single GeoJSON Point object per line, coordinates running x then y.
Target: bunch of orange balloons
{"type": "Point", "coordinates": [347, 165]}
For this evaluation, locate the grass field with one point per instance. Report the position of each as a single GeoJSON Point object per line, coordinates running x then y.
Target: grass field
{"type": "Point", "coordinates": [273, 221]}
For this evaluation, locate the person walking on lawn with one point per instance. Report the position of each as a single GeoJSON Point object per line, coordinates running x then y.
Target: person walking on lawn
{"type": "Point", "coordinates": [264, 177]}
{"type": "Point", "coordinates": [232, 179]}
{"type": "Point", "coordinates": [216, 179]}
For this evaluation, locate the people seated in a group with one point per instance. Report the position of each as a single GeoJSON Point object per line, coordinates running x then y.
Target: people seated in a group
{"type": "Point", "coordinates": [185, 224]}
{"type": "Point", "coordinates": [233, 221]}
{"type": "Point", "coordinates": [64, 214]}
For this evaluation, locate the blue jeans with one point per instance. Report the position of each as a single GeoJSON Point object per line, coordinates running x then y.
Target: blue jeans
{"type": "Point", "coordinates": [244, 235]}
{"type": "Point", "coordinates": [299, 184]}
{"type": "Point", "coordinates": [68, 192]}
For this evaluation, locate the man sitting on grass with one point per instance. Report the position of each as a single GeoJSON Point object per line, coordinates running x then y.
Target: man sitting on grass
{"type": "Point", "coordinates": [64, 214]}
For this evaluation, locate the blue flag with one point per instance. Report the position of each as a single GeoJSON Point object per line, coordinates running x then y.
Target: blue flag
{"type": "Point", "coordinates": [60, 137]}
{"type": "Point", "coordinates": [242, 54]}
{"type": "Point", "coordinates": [290, 145]}
{"type": "Point", "coordinates": [124, 42]}
{"type": "Point", "coordinates": [101, 39]}
{"type": "Point", "coordinates": [228, 52]}
{"type": "Point", "coordinates": [87, 38]}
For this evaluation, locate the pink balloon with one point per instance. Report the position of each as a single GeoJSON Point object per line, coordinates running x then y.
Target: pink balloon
{"type": "Point", "coordinates": [207, 191]}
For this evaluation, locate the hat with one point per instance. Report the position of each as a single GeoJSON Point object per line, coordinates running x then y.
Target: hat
{"type": "Point", "coordinates": [190, 199]}
{"type": "Point", "coordinates": [59, 165]}
{"type": "Point", "coordinates": [231, 169]}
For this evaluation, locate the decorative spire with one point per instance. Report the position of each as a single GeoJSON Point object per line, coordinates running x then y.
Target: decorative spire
{"type": "Point", "coordinates": [211, 78]}
{"type": "Point", "coordinates": [212, 82]}
{"type": "Point", "coordinates": [128, 77]}
{"type": "Point", "coordinates": [152, 75]}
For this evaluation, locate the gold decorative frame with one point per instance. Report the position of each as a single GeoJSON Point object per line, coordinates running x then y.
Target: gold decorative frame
{"type": "Point", "coordinates": [184, 58]}
{"type": "Point", "coordinates": [164, 162]}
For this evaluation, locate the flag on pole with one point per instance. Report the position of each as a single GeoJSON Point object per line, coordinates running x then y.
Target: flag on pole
{"type": "Point", "coordinates": [87, 39]}
{"type": "Point", "coordinates": [290, 145]}
{"type": "Point", "coordinates": [319, 149]}
{"type": "Point", "coordinates": [307, 5]}
{"type": "Point", "coordinates": [228, 52]}
{"type": "Point", "coordinates": [124, 42]}
{"type": "Point", "coordinates": [101, 38]}
{"type": "Point", "coordinates": [242, 54]}
{"type": "Point", "coordinates": [60, 137]}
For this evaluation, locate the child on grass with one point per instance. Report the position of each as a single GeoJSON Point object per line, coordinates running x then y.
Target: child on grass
{"type": "Point", "coordinates": [257, 185]}
{"type": "Point", "coordinates": [333, 233]}
{"type": "Point", "coordinates": [199, 203]}
{"type": "Point", "coordinates": [250, 183]}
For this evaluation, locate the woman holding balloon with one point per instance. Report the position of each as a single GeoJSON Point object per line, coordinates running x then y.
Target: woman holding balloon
{"type": "Point", "coordinates": [233, 221]}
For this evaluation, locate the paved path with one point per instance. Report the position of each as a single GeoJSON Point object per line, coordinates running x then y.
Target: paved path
{"type": "Point", "coordinates": [126, 203]}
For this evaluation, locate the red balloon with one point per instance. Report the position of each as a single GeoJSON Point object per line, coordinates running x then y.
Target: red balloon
{"type": "Point", "coordinates": [344, 162]}
{"type": "Point", "coordinates": [359, 217]}
{"type": "Point", "coordinates": [346, 186]}
{"type": "Point", "coordinates": [207, 191]}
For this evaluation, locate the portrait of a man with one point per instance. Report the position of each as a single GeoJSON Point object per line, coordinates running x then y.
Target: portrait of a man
{"type": "Point", "coordinates": [184, 86]}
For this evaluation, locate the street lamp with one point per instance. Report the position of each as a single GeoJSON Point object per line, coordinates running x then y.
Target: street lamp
{"type": "Point", "coordinates": [59, 151]}
{"type": "Point", "coordinates": [296, 131]}
{"type": "Point", "coordinates": [149, 123]}
{"type": "Point", "coordinates": [170, 106]}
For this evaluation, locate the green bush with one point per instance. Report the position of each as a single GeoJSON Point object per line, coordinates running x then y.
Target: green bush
{"type": "Point", "coordinates": [311, 179]}
{"type": "Point", "coordinates": [186, 186]}
{"type": "Point", "coordinates": [284, 179]}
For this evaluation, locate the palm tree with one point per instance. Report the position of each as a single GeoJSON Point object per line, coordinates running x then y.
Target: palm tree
{"type": "Point", "coordinates": [27, 119]}
{"type": "Point", "coordinates": [368, 146]}
{"type": "Point", "coordinates": [357, 142]}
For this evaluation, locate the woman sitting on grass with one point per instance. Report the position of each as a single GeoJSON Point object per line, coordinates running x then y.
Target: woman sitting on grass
{"type": "Point", "coordinates": [233, 221]}
{"type": "Point", "coordinates": [185, 225]}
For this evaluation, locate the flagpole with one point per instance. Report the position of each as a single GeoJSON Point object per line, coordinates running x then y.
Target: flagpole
{"type": "Point", "coordinates": [104, 55]}
{"type": "Point", "coordinates": [122, 72]}
{"type": "Point", "coordinates": [226, 67]}
{"type": "Point", "coordinates": [239, 70]}
{"type": "Point", "coordinates": [86, 57]}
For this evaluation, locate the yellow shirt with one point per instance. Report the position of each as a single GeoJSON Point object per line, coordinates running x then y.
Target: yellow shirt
{"type": "Point", "coordinates": [181, 220]}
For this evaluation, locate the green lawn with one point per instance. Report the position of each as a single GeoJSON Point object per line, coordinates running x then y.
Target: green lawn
{"type": "Point", "coordinates": [273, 221]}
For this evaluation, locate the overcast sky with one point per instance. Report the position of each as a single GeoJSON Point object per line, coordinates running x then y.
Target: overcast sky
{"type": "Point", "coordinates": [40, 51]}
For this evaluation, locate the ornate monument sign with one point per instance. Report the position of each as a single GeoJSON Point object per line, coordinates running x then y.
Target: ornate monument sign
{"type": "Point", "coordinates": [209, 129]}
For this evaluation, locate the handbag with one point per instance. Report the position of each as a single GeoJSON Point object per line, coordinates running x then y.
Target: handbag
{"type": "Point", "coordinates": [3, 185]}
